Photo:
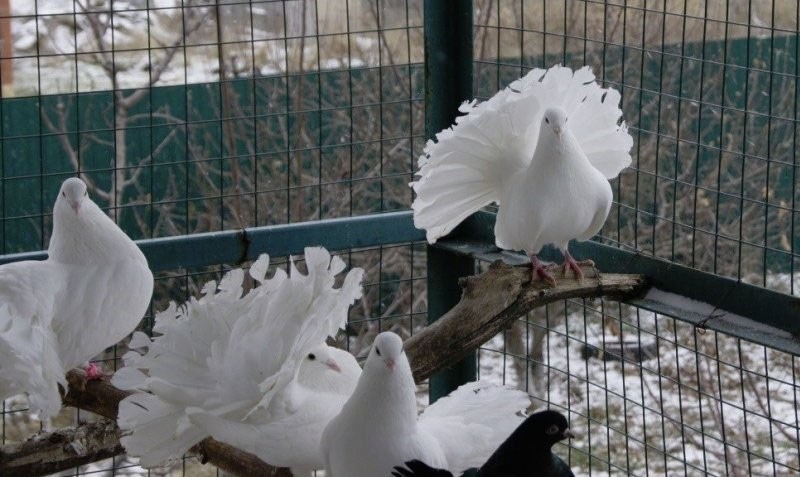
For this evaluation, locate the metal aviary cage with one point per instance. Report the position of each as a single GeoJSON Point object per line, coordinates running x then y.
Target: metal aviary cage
{"type": "Point", "coordinates": [215, 131]}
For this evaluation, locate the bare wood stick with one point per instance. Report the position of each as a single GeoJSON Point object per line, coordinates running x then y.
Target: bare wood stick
{"type": "Point", "coordinates": [490, 302]}
{"type": "Point", "coordinates": [62, 449]}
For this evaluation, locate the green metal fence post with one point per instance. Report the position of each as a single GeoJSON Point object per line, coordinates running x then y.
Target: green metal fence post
{"type": "Point", "coordinates": [448, 82]}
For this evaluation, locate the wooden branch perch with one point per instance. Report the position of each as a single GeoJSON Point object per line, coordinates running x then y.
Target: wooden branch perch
{"type": "Point", "coordinates": [62, 449]}
{"type": "Point", "coordinates": [490, 303]}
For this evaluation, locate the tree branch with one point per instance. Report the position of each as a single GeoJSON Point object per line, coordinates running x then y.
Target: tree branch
{"type": "Point", "coordinates": [62, 449]}
{"type": "Point", "coordinates": [490, 303]}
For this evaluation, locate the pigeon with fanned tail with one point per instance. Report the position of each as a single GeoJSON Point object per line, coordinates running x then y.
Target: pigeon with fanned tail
{"type": "Point", "coordinates": [526, 452]}
{"type": "Point", "coordinates": [251, 370]}
{"type": "Point", "coordinates": [56, 314]}
{"type": "Point", "coordinates": [378, 427]}
{"type": "Point", "coordinates": [543, 149]}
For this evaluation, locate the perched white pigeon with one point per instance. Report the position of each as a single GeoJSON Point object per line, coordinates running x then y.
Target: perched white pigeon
{"type": "Point", "coordinates": [251, 370]}
{"type": "Point", "coordinates": [56, 314]}
{"type": "Point", "coordinates": [543, 149]}
{"type": "Point", "coordinates": [378, 427]}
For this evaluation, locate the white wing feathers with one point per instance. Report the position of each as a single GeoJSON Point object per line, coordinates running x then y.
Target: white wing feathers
{"type": "Point", "coordinates": [487, 413]}
{"type": "Point", "coordinates": [469, 164]}
{"type": "Point", "coordinates": [29, 362]}
{"type": "Point", "coordinates": [29, 351]}
{"type": "Point", "coordinates": [229, 355]}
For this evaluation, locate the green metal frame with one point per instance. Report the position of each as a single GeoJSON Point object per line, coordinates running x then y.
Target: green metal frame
{"type": "Point", "coordinates": [774, 315]}
{"type": "Point", "coordinates": [448, 82]}
{"type": "Point", "coordinates": [235, 246]}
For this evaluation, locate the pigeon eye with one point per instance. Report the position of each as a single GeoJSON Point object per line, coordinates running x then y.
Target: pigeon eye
{"type": "Point", "coordinates": [85, 193]}
{"type": "Point", "coordinates": [378, 351]}
{"type": "Point", "coordinates": [546, 120]}
{"type": "Point", "coordinates": [63, 194]}
{"type": "Point", "coordinates": [312, 356]}
{"type": "Point", "coordinates": [552, 430]}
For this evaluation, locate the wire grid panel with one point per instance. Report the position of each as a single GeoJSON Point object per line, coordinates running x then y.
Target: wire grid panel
{"type": "Point", "coordinates": [709, 90]}
{"type": "Point", "coordinates": [185, 117]}
{"type": "Point", "coordinates": [649, 395]}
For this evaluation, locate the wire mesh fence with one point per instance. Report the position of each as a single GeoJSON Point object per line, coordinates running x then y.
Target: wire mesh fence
{"type": "Point", "coordinates": [709, 91]}
{"type": "Point", "coordinates": [649, 395]}
{"type": "Point", "coordinates": [249, 113]}
{"type": "Point", "coordinates": [187, 117]}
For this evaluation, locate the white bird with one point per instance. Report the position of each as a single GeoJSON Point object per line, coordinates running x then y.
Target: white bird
{"type": "Point", "coordinates": [543, 149]}
{"type": "Point", "coordinates": [251, 370]}
{"type": "Point", "coordinates": [56, 314]}
{"type": "Point", "coordinates": [378, 427]}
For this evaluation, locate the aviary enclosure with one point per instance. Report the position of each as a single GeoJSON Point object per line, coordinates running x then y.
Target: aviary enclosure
{"type": "Point", "coordinates": [214, 131]}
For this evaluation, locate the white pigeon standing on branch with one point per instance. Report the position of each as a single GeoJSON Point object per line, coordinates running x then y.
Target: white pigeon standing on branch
{"type": "Point", "coordinates": [378, 427]}
{"type": "Point", "coordinates": [543, 149]}
{"type": "Point", "coordinates": [250, 370]}
{"type": "Point", "coordinates": [91, 292]}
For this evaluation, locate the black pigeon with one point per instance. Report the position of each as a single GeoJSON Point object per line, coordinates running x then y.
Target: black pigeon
{"type": "Point", "coordinates": [526, 452]}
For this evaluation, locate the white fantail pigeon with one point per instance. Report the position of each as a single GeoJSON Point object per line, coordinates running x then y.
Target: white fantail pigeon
{"type": "Point", "coordinates": [543, 149]}
{"type": "Point", "coordinates": [251, 370]}
{"type": "Point", "coordinates": [56, 314]}
{"type": "Point", "coordinates": [378, 427]}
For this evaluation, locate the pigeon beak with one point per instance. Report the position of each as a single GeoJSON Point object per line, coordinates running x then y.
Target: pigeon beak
{"type": "Point", "coordinates": [567, 434]}
{"type": "Point", "coordinates": [332, 364]}
{"type": "Point", "coordinates": [557, 130]}
{"type": "Point", "coordinates": [390, 363]}
{"type": "Point", "coordinates": [75, 205]}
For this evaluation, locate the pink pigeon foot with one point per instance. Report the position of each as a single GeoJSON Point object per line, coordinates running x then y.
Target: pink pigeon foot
{"type": "Point", "coordinates": [93, 372]}
{"type": "Point", "coordinates": [541, 271]}
{"type": "Point", "coordinates": [574, 265]}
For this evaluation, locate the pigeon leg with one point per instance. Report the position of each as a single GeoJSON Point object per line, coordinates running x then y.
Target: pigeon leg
{"type": "Point", "coordinates": [574, 265]}
{"type": "Point", "coordinates": [94, 372]}
{"type": "Point", "coordinates": [540, 270]}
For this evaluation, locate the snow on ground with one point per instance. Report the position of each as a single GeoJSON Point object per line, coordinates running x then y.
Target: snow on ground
{"type": "Point", "coordinates": [680, 406]}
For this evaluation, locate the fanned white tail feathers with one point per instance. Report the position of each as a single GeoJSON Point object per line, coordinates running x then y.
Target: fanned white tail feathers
{"type": "Point", "coordinates": [469, 164]}
{"type": "Point", "coordinates": [228, 354]}
{"type": "Point", "coordinates": [487, 413]}
{"type": "Point", "coordinates": [29, 363]}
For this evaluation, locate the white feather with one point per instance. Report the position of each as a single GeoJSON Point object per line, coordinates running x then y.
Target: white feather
{"type": "Point", "coordinates": [489, 152]}
{"type": "Point", "coordinates": [229, 365]}
{"type": "Point", "coordinates": [486, 412]}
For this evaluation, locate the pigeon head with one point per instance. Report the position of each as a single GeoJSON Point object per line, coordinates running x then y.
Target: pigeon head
{"type": "Point", "coordinates": [72, 194]}
{"type": "Point", "coordinates": [387, 351]}
{"type": "Point", "coordinates": [317, 364]}
{"type": "Point", "coordinates": [548, 427]}
{"type": "Point", "coordinates": [554, 121]}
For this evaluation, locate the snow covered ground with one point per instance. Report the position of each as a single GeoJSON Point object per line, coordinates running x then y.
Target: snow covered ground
{"type": "Point", "coordinates": [707, 403]}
